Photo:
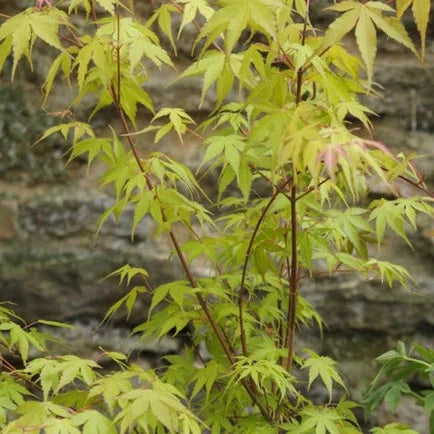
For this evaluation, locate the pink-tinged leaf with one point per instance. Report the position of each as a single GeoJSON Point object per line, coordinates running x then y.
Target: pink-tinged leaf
{"type": "Point", "coordinates": [371, 143]}
{"type": "Point", "coordinates": [330, 159]}
{"type": "Point", "coordinates": [330, 156]}
{"type": "Point", "coordinates": [40, 4]}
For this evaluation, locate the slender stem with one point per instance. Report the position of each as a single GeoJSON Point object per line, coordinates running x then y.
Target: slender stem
{"type": "Point", "coordinates": [246, 261]}
{"type": "Point", "coordinates": [293, 282]}
{"type": "Point", "coordinates": [306, 17]}
{"type": "Point", "coordinates": [13, 371]}
{"type": "Point", "coordinates": [95, 18]}
{"type": "Point", "coordinates": [74, 36]}
{"type": "Point", "coordinates": [326, 273]}
{"type": "Point", "coordinates": [225, 345]}
{"type": "Point", "coordinates": [224, 342]}
{"type": "Point", "coordinates": [299, 84]}
{"type": "Point", "coordinates": [311, 189]}
{"type": "Point", "coordinates": [118, 57]}
{"type": "Point", "coordinates": [417, 185]}
{"type": "Point", "coordinates": [73, 41]}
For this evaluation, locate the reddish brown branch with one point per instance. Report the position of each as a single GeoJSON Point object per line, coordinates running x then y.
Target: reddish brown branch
{"type": "Point", "coordinates": [293, 282]}
{"type": "Point", "coordinates": [246, 261]}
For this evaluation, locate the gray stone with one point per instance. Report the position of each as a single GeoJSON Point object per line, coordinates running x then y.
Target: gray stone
{"type": "Point", "coordinates": [8, 211]}
{"type": "Point", "coordinates": [20, 127]}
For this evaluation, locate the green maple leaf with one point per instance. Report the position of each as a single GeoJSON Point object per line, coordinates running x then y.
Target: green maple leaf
{"type": "Point", "coordinates": [323, 367]}
{"type": "Point", "coordinates": [366, 17]}
{"type": "Point", "coordinates": [322, 420]}
{"type": "Point", "coordinates": [108, 5]}
{"type": "Point", "coordinates": [93, 422]}
{"type": "Point", "coordinates": [421, 12]}
{"type": "Point", "coordinates": [191, 9]}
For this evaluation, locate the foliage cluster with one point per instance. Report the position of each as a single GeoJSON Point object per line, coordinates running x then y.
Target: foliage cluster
{"type": "Point", "coordinates": [401, 368]}
{"type": "Point", "coordinates": [294, 88]}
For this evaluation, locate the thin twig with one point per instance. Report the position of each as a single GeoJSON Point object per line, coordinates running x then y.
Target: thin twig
{"type": "Point", "coordinates": [246, 260]}
{"type": "Point", "coordinates": [311, 189]}
{"type": "Point", "coordinates": [417, 185]}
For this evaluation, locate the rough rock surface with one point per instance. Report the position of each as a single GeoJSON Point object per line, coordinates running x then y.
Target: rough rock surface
{"type": "Point", "coordinates": [51, 266]}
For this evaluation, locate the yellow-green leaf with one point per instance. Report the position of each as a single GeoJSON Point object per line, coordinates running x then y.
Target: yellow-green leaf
{"type": "Point", "coordinates": [421, 11]}
{"type": "Point", "coordinates": [108, 5]}
{"type": "Point", "coordinates": [340, 27]}
{"type": "Point", "coordinates": [21, 44]}
{"type": "Point", "coordinates": [392, 27]}
{"type": "Point", "coordinates": [401, 7]}
{"type": "Point", "coordinates": [46, 27]}
{"type": "Point", "coordinates": [366, 37]}
{"type": "Point", "coordinates": [165, 23]}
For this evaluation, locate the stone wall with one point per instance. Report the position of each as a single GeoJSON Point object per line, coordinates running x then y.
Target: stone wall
{"type": "Point", "coordinates": [51, 266]}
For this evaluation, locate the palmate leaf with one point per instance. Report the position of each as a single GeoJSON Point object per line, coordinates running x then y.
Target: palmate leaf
{"type": "Point", "coordinates": [74, 4]}
{"type": "Point", "coordinates": [137, 41]}
{"type": "Point", "coordinates": [394, 428]}
{"type": "Point", "coordinates": [342, 25]}
{"type": "Point", "coordinates": [210, 66]}
{"type": "Point", "coordinates": [63, 61]}
{"type": "Point", "coordinates": [191, 9]}
{"type": "Point", "coordinates": [128, 300]}
{"type": "Point", "coordinates": [366, 37]}
{"type": "Point", "coordinates": [235, 16]}
{"type": "Point", "coordinates": [79, 130]}
{"type": "Point", "coordinates": [365, 17]}
{"type": "Point", "coordinates": [93, 422]}
{"type": "Point", "coordinates": [20, 339]}
{"type": "Point", "coordinates": [110, 387]}
{"type": "Point", "coordinates": [206, 377]}
{"type": "Point", "coordinates": [178, 121]}
{"type": "Point", "coordinates": [21, 43]}
{"type": "Point", "coordinates": [323, 367]}
{"type": "Point", "coordinates": [108, 5]}
{"type": "Point", "coordinates": [54, 374]}
{"type": "Point", "coordinates": [155, 404]}
{"type": "Point", "coordinates": [390, 272]}
{"type": "Point", "coordinates": [164, 18]}
{"type": "Point", "coordinates": [20, 32]}
{"type": "Point", "coordinates": [421, 12]}
{"type": "Point", "coordinates": [11, 395]}
{"type": "Point", "coordinates": [41, 414]}
{"type": "Point", "coordinates": [320, 420]}
{"type": "Point", "coordinates": [394, 213]}
{"type": "Point", "coordinates": [262, 372]}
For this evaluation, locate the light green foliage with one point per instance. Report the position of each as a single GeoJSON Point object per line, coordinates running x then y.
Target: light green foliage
{"type": "Point", "coordinates": [394, 428]}
{"type": "Point", "coordinates": [397, 367]}
{"type": "Point", "coordinates": [291, 177]}
{"type": "Point", "coordinates": [323, 367]}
